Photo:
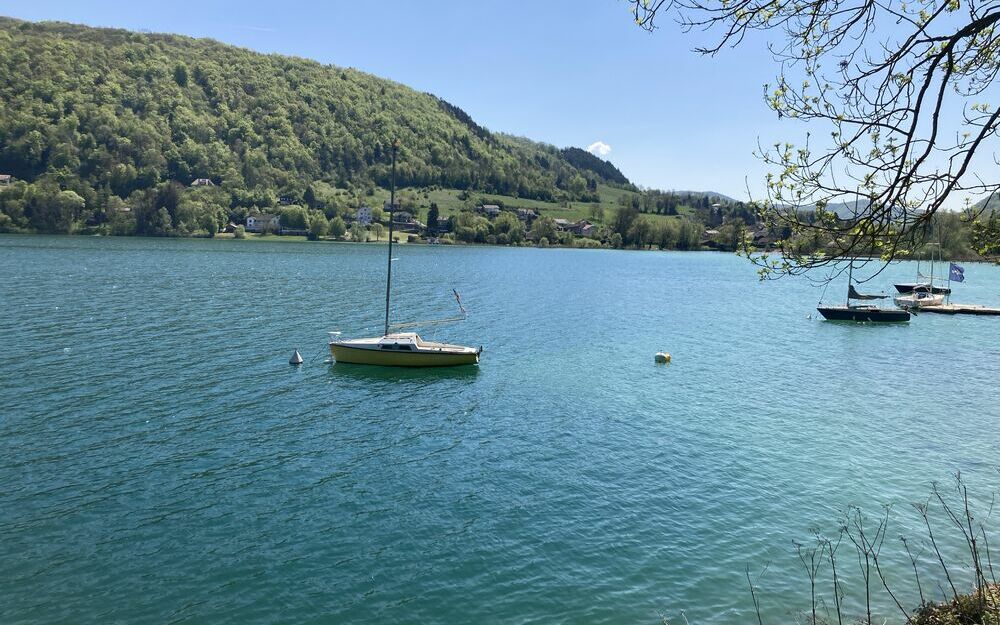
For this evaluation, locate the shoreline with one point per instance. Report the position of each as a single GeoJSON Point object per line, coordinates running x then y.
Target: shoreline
{"type": "Point", "coordinates": [295, 238]}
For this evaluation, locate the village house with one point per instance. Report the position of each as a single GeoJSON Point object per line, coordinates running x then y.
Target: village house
{"type": "Point", "coordinates": [526, 215]}
{"type": "Point", "coordinates": [364, 216]}
{"type": "Point", "coordinates": [285, 200]}
{"type": "Point", "coordinates": [202, 182]}
{"type": "Point", "coordinates": [764, 237]}
{"type": "Point", "coordinates": [404, 222]}
{"type": "Point", "coordinates": [563, 224]}
{"type": "Point", "coordinates": [710, 239]}
{"type": "Point", "coordinates": [263, 223]}
{"type": "Point", "coordinates": [582, 228]}
{"type": "Point", "coordinates": [490, 210]}
{"type": "Point", "coordinates": [402, 217]}
{"type": "Point", "coordinates": [5, 179]}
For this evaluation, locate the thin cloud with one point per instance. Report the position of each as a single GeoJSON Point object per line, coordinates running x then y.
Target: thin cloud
{"type": "Point", "coordinates": [599, 148]}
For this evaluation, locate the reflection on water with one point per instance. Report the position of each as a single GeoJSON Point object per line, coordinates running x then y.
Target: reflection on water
{"type": "Point", "coordinates": [401, 375]}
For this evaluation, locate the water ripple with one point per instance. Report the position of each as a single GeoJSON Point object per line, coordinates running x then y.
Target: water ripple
{"type": "Point", "coordinates": [160, 461]}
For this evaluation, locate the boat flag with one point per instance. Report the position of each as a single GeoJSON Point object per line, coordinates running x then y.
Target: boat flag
{"type": "Point", "coordinates": [956, 273]}
{"type": "Point", "coordinates": [458, 298]}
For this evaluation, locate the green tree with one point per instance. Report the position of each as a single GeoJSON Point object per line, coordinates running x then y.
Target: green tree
{"type": "Point", "coordinates": [51, 210]}
{"type": "Point", "coordinates": [471, 228]}
{"type": "Point", "coordinates": [433, 215]}
{"type": "Point", "coordinates": [294, 218]}
{"type": "Point", "coordinates": [510, 227]}
{"type": "Point", "coordinates": [544, 228]}
{"type": "Point", "coordinates": [624, 217]}
{"type": "Point", "coordinates": [986, 235]}
{"type": "Point", "coordinates": [639, 232]}
{"type": "Point", "coordinates": [318, 225]}
{"type": "Point", "coordinates": [181, 74]}
{"type": "Point", "coordinates": [358, 232]}
{"type": "Point", "coordinates": [731, 235]}
{"type": "Point", "coordinates": [337, 227]}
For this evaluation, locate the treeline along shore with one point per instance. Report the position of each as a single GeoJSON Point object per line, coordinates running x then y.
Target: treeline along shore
{"type": "Point", "coordinates": [106, 131]}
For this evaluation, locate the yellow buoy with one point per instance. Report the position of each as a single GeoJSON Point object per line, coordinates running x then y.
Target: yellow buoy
{"type": "Point", "coordinates": [662, 357]}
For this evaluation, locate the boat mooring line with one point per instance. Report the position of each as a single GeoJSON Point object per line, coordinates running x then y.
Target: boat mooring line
{"type": "Point", "coordinates": [299, 361]}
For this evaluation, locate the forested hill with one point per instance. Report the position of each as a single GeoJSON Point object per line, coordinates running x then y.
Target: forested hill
{"type": "Point", "coordinates": [111, 112]}
{"type": "Point", "coordinates": [586, 161]}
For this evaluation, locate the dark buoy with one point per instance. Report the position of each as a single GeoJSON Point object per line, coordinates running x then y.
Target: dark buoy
{"type": "Point", "coordinates": [296, 358]}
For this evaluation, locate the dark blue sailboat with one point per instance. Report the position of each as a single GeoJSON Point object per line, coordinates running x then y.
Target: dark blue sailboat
{"type": "Point", "coordinates": [927, 285]}
{"type": "Point", "coordinates": [862, 312]}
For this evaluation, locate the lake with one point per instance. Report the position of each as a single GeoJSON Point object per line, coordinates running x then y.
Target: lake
{"type": "Point", "coordinates": [160, 461]}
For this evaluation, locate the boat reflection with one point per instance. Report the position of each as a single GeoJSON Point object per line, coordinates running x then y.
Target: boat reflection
{"type": "Point", "coordinates": [376, 373]}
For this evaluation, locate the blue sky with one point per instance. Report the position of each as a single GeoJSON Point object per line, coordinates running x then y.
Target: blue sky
{"type": "Point", "coordinates": [570, 73]}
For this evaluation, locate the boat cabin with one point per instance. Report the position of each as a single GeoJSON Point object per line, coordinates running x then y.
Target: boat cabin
{"type": "Point", "coordinates": [405, 342]}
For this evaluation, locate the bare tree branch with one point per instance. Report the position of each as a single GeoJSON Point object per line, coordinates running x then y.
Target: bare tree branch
{"type": "Point", "coordinates": [884, 80]}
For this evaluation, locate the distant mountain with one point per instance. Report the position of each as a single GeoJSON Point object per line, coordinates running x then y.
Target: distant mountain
{"type": "Point", "coordinates": [109, 112]}
{"type": "Point", "coordinates": [848, 210]}
{"type": "Point", "coordinates": [989, 204]}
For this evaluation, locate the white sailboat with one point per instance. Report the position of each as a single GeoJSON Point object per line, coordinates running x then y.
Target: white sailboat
{"type": "Point", "coordinates": [921, 294]}
{"type": "Point", "coordinates": [401, 349]}
{"type": "Point", "coordinates": [925, 283]}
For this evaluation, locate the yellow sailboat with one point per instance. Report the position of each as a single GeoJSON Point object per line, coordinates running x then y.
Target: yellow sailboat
{"type": "Point", "coordinates": [402, 349]}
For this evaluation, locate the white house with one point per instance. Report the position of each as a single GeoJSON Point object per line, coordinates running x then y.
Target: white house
{"type": "Point", "coordinates": [364, 216]}
{"type": "Point", "coordinates": [5, 179]}
{"type": "Point", "coordinates": [202, 182]}
{"type": "Point", "coordinates": [263, 223]}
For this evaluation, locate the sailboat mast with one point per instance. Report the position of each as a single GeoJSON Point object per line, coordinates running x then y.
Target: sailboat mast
{"type": "Point", "coordinates": [932, 270]}
{"type": "Point", "coordinates": [850, 278]}
{"type": "Point", "coordinates": [392, 206]}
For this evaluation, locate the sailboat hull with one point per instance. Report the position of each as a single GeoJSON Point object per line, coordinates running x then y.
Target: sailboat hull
{"type": "Point", "coordinates": [863, 314]}
{"type": "Point", "coordinates": [909, 287]}
{"type": "Point", "coordinates": [918, 299]}
{"type": "Point", "coordinates": [403, 351]}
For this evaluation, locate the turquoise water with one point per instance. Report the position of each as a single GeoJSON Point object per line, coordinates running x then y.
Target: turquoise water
{"type": "Point", "coordinates": [161, 462]}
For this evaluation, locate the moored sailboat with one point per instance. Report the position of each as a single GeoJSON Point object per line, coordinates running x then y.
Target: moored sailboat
{"type": "Point", "coordinates": [921, 296]}
{"type": "Point", "coordinates": [862, 312]}
{"type": "Point", "coordinates": [401, 349]}
{"type": "Point", "coordinates": [925, 285]}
